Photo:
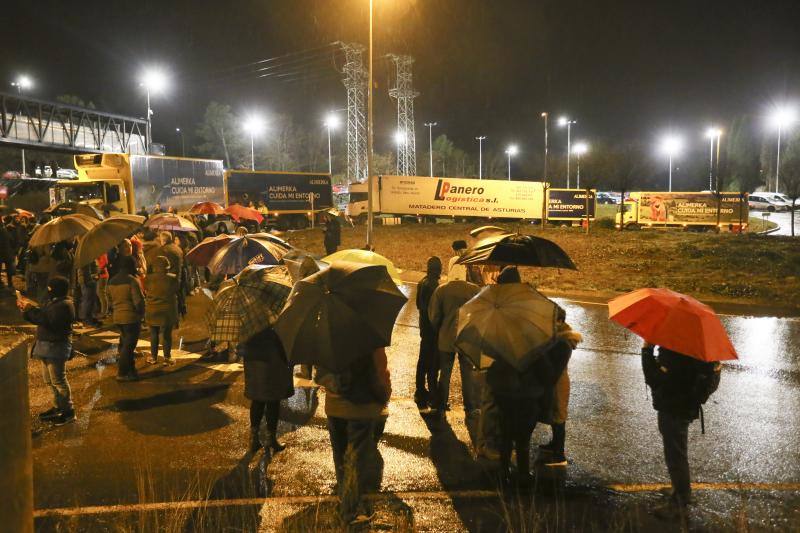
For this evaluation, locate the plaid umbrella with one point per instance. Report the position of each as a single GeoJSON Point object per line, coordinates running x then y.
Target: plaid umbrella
{"type": "Point", "coordinates": [62, 229]}
{"type": "Point", "coordinates": [202, 253]}
{"type": "Point", "coordinates": [170, 222]}
{"type": "Point", "coordinates": [248, 303]}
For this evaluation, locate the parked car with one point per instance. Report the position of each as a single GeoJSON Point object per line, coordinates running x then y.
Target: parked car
{"type": "Point", "coordinates": [779, 197]}
{"type": "Point", "coordinates": [607, 198]}
{"type": "Point", "coordinates": [766, 203]}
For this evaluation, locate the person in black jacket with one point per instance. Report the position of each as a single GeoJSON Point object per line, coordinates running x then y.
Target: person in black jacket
{"type": "Point", "coordinates": [428, 361]}
{"type": "Point", "coordinates": [333, 234]}
{"type": "Point", "coordinates": [7, 254]}
{"type": "Point", "coordinates": [680, 385]}
{"type": "Point", "coordinates": [53, 345]}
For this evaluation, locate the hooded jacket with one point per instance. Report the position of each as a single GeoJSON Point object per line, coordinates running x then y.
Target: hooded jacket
{"type": "Point", "coordinates": [53, 320]}
{"type": "Point", "coordinates": [161, 295]}
{"type": "Point", "coordinates": [127, 300]}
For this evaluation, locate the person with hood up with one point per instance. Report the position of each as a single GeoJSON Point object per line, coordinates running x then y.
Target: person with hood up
{"type": "Point", "coordinates": [428, 360]}
{"type": "Point", "coordinates": [161, 308]}
{"type": "Point", "coordinates": [127, 303]}
{"type": "Point", "coordinates": [53, 345]}
{"type": "Point", "coordinates": [332, 234]}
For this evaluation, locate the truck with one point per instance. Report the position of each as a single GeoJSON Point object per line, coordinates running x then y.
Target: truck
{"type": "Point", "coordinates": [699, 211]}
{"type": "Point", "coordinates": [127, 182]}
{"type": "Point", "coordinates": [290, 200]}
{"type": "Point", "coordinates": [465, 198]}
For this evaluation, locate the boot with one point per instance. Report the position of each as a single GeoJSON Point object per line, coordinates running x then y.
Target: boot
{"type": "Point", "coordinates": [255, 442]}
{"type": "Point", "coordinates": [273, 444]}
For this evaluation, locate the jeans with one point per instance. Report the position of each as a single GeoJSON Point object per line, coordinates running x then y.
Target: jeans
{"type": "Point", "coordinates": [427, 371]}
{"type": "Point", "coordinates": [489, 425]}
{"type": "Point", "coordinates": [102, 297]}
{"type": "Point", "coordinates": [166, 339]}
{"type": "Point", "coordinates": [357, 461]}
{"type": "Point", "coordinates": [129, 336]}
{"type": "Point", "coordinates": [675, 435]}
{"type": "Point", "coordinates": [446, 362]}
{"type": "Point", "coordinates": [54, 372]}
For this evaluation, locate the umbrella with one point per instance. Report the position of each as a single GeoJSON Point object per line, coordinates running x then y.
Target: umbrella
{"type": "Point", "coordinates": [513, 322]}
{"type": "Point", "coordinates": [238, 211]}
{"type": "Point", "coordinates": [248, 303]}
{"type": "Point", "coordinates": [104, 236]}
{"type": "Point", "coordinates": [675, 321]}
{"type": "Point", "coordinates": [70, 208]}
{"type": "Point", "coordinates": [207, 208]}
{"type": "Point", "coordinates": [170, 222]}
{"type": "Point", "coordinates": [516, 249]}
{"type": "Point", "coordinates": [339, 314]}
{"type": "Point", "coordinates": [202, 253]}
{"type": "Point", "coordinates": [488, 230]}
{"type": "Point", "coordinates": [243, 251]}
{"type": "Point", "coordinates": [301, 264]}
{"type": "Point", "coordinates": [229, 226]}
{"type": "Point", "coordinates": [364, 257]}
{"type": "Point", "coordinates": [341, 216]}
{"type": "Point", "coordinates": [62, 228]}
{"type": "Point", "coordinates": [273, 238]}
{"type": "Point", "coordinates": [21, 213]}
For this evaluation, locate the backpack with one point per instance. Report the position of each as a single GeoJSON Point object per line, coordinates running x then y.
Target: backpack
{"type": "Point", "coordinates": [705, 384]}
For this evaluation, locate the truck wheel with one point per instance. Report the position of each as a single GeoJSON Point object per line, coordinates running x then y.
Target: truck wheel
{"type": "Point", "coordinates": [633, 226]}
{"type": "Point", "coordinates": [771, 209]}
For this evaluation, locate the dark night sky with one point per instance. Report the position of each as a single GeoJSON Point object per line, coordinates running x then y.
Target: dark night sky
{"type": "Point", "coordinates": [624, 69]}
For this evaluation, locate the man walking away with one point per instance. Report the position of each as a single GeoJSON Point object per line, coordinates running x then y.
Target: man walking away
{"type": "Point", "coordinates": [428, 361]}
{"type": "Point", "coordinates": [447, 299]}
{"type": "Point", "coordinates": [53, 345]}
{"type": "Point", "coordinates": [355, 404]}
{"type": "Point", "coordinates": [680, 385]}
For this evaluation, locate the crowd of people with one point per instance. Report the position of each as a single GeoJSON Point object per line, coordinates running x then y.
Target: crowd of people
{"type": "Point", "coordinates": [145, 280]}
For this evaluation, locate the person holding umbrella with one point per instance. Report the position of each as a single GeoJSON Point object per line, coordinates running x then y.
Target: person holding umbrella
{"type": "Point", "coordinates": [428, 361]}
{"type": "Point", "coordinates": [691, 342]}
{"type": "Point", "coordinates": [333, 234]}
{"type": "Point", "coordinates": [161, 308]}
{"type": "Point", "coordinates": [127, 302]}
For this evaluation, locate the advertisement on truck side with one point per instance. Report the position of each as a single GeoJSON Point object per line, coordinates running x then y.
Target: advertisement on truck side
{"type": "Point", "coordinates": [569, 204]}
{"type": "Point", "coordinates": [175, 182]}
{"type": "Point", "coordinates": [689, 208]}
{"type": "Point", "coordinates": [280, 191]}
{"type": "Point", "coordinates": [414, 195]}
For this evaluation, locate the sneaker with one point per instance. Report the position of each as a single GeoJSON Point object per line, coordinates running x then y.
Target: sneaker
{"type": "Point", "coordinates": [49, 414]}
{"type": "Point", "coordinates": [169, 362]}
{"type": "Point", "coordinates": [151, 360]}
{"type": "Point", "coordinates": [558, 459]}
{"type": "Point", "coordinates": [64, 418]}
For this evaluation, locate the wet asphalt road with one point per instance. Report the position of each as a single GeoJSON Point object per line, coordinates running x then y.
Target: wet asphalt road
{"type": "Point", "coordinates": [783, 219]}
{"type": "Point", "coordinates": [180, 434]}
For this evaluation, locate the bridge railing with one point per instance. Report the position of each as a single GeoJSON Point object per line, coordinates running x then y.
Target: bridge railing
{"type": "Point", "coordinates": [30, 122]}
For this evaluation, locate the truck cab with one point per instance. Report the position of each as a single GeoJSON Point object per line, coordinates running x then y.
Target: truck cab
{"type": "Point", "coordinates": [357, 202]}
{"type": "Point", "coordinates": [104, 182]}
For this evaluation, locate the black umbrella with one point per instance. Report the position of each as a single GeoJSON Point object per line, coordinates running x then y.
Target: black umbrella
{"type": "Point", "coordinates": [244, 251]}
{"type": "Point", "coordinates": [516, 249]}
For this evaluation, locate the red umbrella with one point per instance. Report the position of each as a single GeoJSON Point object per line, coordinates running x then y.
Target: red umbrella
{"type": "Point", "coordinates": [675, 321]}
{"type": "Point", "coordinates": [21, 213]}
{"type": "Point", "coordinates": [202, 253]}
{"type": "Point", "coordinates": [207, 208]}
{"type": "Point", "coordinates": [238, 211]}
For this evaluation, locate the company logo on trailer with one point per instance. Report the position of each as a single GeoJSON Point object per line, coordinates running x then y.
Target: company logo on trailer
{"type": "Point", "coordinates": [443, 188]}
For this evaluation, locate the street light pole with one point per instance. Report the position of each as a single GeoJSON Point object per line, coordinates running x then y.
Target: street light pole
{"type": "Point", "coordinates": [781, 117]}
{"type": "Point", "coordinates": [565, 121]}
{"type": "Point", "coordinates": [480, 155]}
{"type": "Point", "coordinates": [670, 172]}
{"type": "Point", "coordinates": [370, 214]}
{"type": "Point", "coordinates": [430, 126]}
{"type": "Point", "coordinates": [510, 151]}
{"type": "Point", "coordinates": [580, 149]}
{"type": "Point", "coordinates": [778, 162]}
{"type": "Point", "coordinates": [183, 146]}
{"type": "Point", "coordinates": [149, 135]}
{"type": "Point", "coordinates": [330, 157]}
{"type": "Point", "coordinates": [544, 176]}
{"type": "Point", "coordinates": [252, 152]}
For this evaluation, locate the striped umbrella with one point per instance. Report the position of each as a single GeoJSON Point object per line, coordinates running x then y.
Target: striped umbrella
{"type": "Point", "coordinates": [170, 222]}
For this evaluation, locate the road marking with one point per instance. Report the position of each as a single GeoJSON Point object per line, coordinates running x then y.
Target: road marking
{"type": "Point", "coordinates": [410, 495]}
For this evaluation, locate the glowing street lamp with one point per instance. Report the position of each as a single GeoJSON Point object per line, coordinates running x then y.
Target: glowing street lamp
{"type": "Point", "coordinates": [671, 146]}
{"type": "Point", "coordinates": [253, 125]}
{"type": "Point", "coordinates": [712, 134]}
{"type": "Point", "coordinates": [22, 83]}
{"type": "Point", "coordinates": [580, 149]}
{"type": "Point", "coordinates": [566, 121]}
{"type": "Point", "coordinates": [331, 123]}
{"type": "Point", "coordinates": [781, 117]}
{"type": "Point", "coordinates": [400, 140]}
{"type": "Point", "coordinates": [154, 81]}
{"type": "Point", "coordinates": [511, 151]}
{"type": "Point", "coordinates": [430, 126]}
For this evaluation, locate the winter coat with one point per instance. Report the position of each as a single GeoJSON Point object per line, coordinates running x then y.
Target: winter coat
{"type": "Point", "coordinates": [680, 384]}
{"type": "Point", "coordinates": [333, 233]}
{"type": "Point", "coordinates": [365, 395]}
{"type": "Point", "coordinates": [424, 293]}
{"type": "Point", "coordinates": [161, 298]}
{"type": "Point", "coordinates": [174, 253]}
{"type": "Point", "coordinates": [53, 320]}
{"type": "Point", "coordinates": [150, 250]}
{"type": "Point", "coordinates": [447, 299]}
{"type": "Point", "coordinates": [267, 374]}
{"type": "Point", "coordinates": [127, 300]}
